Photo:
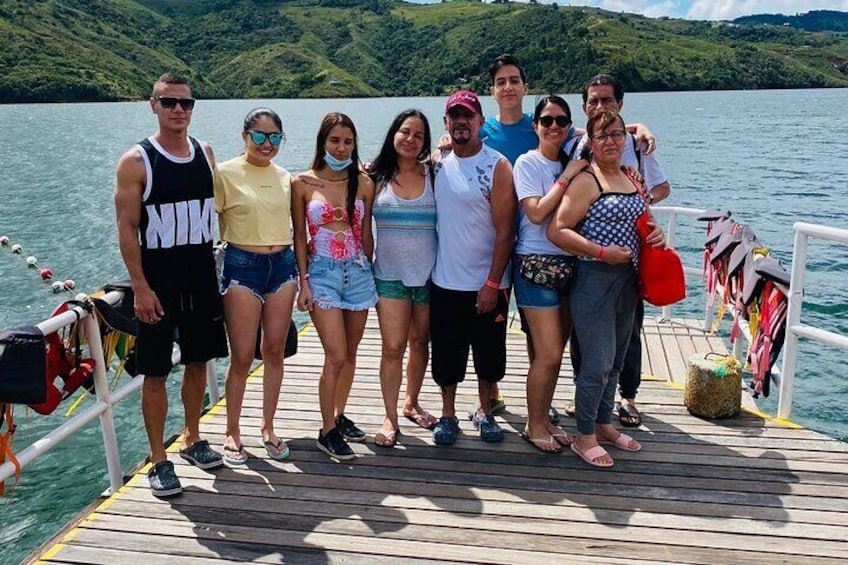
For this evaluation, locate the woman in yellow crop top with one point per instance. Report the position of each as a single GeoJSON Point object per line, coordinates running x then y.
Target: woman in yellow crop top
{"type": "Point", "coordinates": [253, 201]}
{"type": "Point", "coordinates": [332, 201]}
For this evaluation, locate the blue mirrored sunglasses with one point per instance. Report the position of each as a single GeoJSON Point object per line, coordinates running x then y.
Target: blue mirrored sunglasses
{"type": "Point", "coordinates": [259, 137]}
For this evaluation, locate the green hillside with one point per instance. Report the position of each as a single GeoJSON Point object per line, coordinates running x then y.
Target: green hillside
{"type": "Point", "coordinates": [75, 50]}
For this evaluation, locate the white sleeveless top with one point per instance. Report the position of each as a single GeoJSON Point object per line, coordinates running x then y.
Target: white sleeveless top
{"type": "Point", "coordinates": [464, 220]}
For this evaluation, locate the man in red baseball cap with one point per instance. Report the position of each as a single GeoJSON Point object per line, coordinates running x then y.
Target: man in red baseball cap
{"type": "Point", "coordinates": [475, 213]}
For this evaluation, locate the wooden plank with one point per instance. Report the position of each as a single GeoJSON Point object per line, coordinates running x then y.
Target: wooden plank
{"type": "Point", "coordinates": [745, 489]}
{"type": "Point", "coordinates": [135, 504]}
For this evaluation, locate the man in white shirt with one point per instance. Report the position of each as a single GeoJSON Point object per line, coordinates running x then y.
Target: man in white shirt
{"type": "Point", "coordinates": [475, 211]}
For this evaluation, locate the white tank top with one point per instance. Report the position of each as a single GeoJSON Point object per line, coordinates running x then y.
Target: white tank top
{"type": "Point", "coordinates": [464, 220]}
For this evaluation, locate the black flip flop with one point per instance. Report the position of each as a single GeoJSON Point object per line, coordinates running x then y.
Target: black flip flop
{"type": "Point", "coordinates": [629, 416]}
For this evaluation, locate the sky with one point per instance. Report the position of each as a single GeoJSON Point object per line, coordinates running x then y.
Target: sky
{"type": "Point", "coordinates": [704, 9]}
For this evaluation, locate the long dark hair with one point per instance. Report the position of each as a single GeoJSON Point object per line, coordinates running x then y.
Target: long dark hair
{"type": "Point", "coordinates": [385, 165]}
{"type": "Point", "coordinates": [330, 121]}
{"type": "Point", "coordinates": [559, 101]}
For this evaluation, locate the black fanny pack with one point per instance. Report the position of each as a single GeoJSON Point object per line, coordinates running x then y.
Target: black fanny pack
{"type": "Point", "coordinates": [550, 271]}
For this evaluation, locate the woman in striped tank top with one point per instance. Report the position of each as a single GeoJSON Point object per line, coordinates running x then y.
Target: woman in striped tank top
{"type": "Point", "coordinates": [405, 215]}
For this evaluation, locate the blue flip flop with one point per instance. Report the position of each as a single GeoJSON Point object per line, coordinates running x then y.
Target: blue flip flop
{"type": "Point", "coordinates": [235, 456]}
{"type": "Point", "coordinates": [275, 445]}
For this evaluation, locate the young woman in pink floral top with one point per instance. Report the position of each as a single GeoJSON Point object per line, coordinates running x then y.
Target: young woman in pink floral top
{"type": "Point", "coordinates": [333, 199]}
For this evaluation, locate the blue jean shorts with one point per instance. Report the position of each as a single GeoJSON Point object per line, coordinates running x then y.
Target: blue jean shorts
{"type": "Point", "coordinates": [342, 283]}
{"type": "Point", "coordinates": [530, 295]}
{"type": "Point", "coordinates": [260, 273]}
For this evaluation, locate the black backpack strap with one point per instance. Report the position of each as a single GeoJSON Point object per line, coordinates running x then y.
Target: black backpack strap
{"type": "Point", "coordinates": [638, 151]}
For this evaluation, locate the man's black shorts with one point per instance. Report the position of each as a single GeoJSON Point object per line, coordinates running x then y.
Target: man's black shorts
{"type": "Point", "coordinates": [194, 319]}
{"type": "Point", "coordinates": [455, 326]}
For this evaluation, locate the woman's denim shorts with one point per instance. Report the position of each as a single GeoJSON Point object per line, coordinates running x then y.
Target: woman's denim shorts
{"type": "Point", "coordinates": [530, 295]}
{"type": "Point", "coordinates": [342, 283]}
{"type": "Point", "coordinates": [260, 273]}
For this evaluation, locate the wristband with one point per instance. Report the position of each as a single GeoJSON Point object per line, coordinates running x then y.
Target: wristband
{"type": "Point", "coordinates": [304, 277]}
{"type": "Point", "coordinates": [601, 252]}
{"type": "Point", "coordinates": [561, 183]}
{"type": "Point", "coordinates": [492, 284]}
{"type": "Point", "coordinates": [650, 198]}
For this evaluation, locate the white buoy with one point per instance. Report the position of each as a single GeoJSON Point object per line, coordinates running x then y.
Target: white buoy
{"type": "Point", "coordinates": [57, 287]}
{"type": "Point", "coordinates": [32, 261]}
{"type": "Point", "coordinates": [17, 249]}
{"type": "Point", "coordinates": [81, 297]}
{"type": "Point", "coordinates": [4, 240]}
{"type": "Point", "coordinates": [70, 284]}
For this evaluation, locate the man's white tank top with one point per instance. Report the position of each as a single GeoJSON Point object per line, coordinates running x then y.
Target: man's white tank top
{"type": "Point", "coordinates": [464, 220]}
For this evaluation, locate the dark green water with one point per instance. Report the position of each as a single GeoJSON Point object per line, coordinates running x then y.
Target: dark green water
{"type": "Point", "coordinates": [773, 157]}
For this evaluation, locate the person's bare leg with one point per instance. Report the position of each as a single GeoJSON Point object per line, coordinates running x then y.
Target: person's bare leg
{"type": "Point", "coordinates": [331, 329]}
{"type": "Point", "coordinates": [242, 310]}
{"type": "Point", "coordinates": [419, 354]}
{"type": "Point", "coordinates": [544, 370]}
{"type": "Point", "coordinates": [154, 409]}
{"type": "Point", "coordinates": [193, 390]}
{"type": "Point", "coordinates": [276, 317]}
{"type": "Point", "coordinates": [394, 316]}
{"type": "Point", "coordinates": [354, 327]}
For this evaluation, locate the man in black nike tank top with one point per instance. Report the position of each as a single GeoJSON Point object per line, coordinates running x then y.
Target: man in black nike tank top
{"type": "Point", "coordinates": [164, 202]}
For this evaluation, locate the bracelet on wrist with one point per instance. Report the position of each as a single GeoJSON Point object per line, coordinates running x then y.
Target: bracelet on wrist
{"type": "Point", "coordinates": [563, 184]}
{"type": "Point", "coordinates": [601, 252]}
{"type": "Point", "coordinates": [304, 277]}
{"type": "Point", "coordinates": [492, 284]}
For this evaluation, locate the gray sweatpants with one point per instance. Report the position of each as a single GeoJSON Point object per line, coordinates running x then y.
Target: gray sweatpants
{"type": "Point", "coordinates": [603, 304]}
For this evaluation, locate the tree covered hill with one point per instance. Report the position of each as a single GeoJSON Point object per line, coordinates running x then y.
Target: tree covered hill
{"type": "Point", "coordinates": [83, 50]}
{"type": "Point", "coordinates": [816, 20]}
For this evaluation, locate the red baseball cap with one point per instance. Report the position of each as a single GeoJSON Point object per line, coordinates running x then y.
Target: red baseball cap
{"type": "Point", "coordinates": [464, 98]}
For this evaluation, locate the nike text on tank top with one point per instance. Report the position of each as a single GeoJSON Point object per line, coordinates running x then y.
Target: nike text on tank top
{"type": "Point", "coordinates": [464, 221]}
{"type": "Point", "coordinates": [177, 207]}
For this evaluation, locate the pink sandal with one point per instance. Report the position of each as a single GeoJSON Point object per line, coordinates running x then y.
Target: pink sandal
{"type": "Point", "coordinates": [591, 454]}
{"type": "Point", "coordinates": [623, 442]}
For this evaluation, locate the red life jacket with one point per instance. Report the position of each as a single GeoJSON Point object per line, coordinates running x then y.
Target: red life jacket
{"type": "Point", "coordinates": [69, 366]}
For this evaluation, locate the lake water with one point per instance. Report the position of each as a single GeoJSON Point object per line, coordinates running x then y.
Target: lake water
{"type": "Point", "coordinates": [773, 157]}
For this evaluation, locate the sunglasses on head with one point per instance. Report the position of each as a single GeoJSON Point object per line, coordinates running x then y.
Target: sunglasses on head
{"type": "Point", "coordinates": [561, 120]}
{"type": "Point", "coordinates": [169, 102]}
{"type": "Point", "coordinates": [259, 137]}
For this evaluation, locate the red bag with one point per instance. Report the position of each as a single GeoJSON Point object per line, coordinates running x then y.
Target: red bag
{"type": "Point", "coordinates": [661, 278]}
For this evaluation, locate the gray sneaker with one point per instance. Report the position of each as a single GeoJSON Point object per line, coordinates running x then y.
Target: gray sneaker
{"type": "Point", "coordinates": [163, 480]}
{"type": "Point", "coordinates": [202, 456]}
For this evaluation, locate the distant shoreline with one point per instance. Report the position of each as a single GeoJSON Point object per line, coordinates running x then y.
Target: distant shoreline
{"type": "Point", "coordinates": [531, 94]}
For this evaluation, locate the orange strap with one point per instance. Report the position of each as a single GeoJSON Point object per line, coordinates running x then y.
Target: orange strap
{"type": "Point", "coordinates": [6, 445]}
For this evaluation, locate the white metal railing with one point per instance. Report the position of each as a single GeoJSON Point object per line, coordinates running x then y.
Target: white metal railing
{"type": "Point", "coordinates": [784, 376]}
{"type": "Point", "coordinates": [106, 399]}
{"type": "Point", "coordinates": [794, 327]}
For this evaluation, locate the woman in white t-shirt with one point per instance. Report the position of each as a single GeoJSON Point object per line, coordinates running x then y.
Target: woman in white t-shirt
{"type": "Point", "coordinates": [541, 268]}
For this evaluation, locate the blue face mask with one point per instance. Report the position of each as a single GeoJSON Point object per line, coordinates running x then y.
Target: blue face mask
{"type": "Point", "coordinates": [335, 164]}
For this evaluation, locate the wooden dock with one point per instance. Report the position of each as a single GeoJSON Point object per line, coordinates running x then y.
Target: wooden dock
{"type": "Point", "coordinates": [745, 490]}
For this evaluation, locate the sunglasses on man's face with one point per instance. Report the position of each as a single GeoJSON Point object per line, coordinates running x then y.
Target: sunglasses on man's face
{"type": "Point", "coordinates": [259, 137]}
{"type": "Point", "coordinates": [169, 102]}
{"type": "Point", "coordinates": [561, 120]}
